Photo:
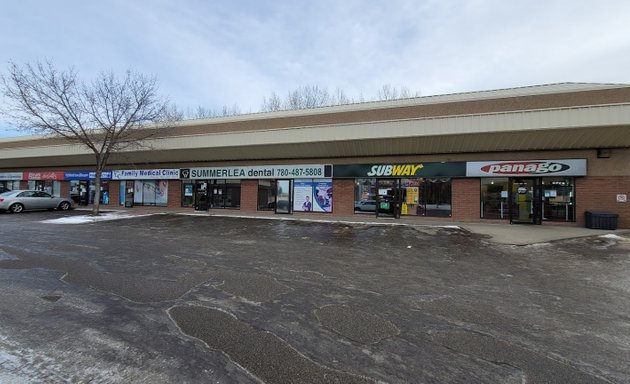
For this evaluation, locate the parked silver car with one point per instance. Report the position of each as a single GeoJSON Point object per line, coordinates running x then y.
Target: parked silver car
{"type": "Point", "coordinates": [21, 200]}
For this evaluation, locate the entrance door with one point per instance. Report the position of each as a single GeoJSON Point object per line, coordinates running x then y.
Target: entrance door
{"type": "Point", "coordinates": [201, 195]}
{"type": "Point", "coordinates": [284, 200]}
{"type": "Point", "coordinates": [388, 198]}
{"type": "Point", "coordinates": [84, 192]}
{"type": "Point", "coordinates": [129, 193]}
{"type": "Point", "coordinates": [525, 198]}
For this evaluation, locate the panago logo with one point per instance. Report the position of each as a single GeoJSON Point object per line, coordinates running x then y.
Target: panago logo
{"type": "Point", "coordinates": [395, 170]}
{"type": "Point", "coordinates": [525, 168]}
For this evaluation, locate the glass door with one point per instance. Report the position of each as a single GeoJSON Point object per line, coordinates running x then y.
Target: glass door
{"type": "Point", "coordinates": [201, 195]}
{"type": "Point", "coordinates": [525, 198]}
{"type": "Point", "coordinates": [388, 198]}
{"type": "Point", "coordinates": [284, 200]}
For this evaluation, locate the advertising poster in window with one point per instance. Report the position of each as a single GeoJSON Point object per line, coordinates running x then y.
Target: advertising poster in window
{"type": "Point", "coordinates": [149, 189]}
{"type": "Point", "coordinates": [303, 195]}
{"type": "Point", "coordinates": [137, 192]}
{"type": "Point", "coordinates": [323, 195]}
{"type": "Point", "coordinates": [161, 193]}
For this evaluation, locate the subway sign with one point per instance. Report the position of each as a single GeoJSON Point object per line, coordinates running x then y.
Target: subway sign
{"type": "Point", "coordinates": [516, 168]}
{"type": "Point", "coordinates": [442, 169]}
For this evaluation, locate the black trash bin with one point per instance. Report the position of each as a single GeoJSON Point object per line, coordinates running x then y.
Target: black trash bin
{"type": "Point", "coordinates": [601, 220]}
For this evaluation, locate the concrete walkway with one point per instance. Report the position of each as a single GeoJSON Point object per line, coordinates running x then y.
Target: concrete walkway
{"type": "Point", "coordinates": [501, 233]}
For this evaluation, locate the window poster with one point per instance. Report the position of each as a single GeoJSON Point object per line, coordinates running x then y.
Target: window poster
{"type": "Point", "coordinates": [303, 195]}
{"type": "Point", "coordinates": [161, 192]}
{"type": "Point", "coordinates": [323, 195]}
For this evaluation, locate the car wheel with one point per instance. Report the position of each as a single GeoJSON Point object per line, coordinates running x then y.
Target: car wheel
{"type": "Point", "coordinates": [16, 208]}
{"type": "Point", "coordinates": [64, 206]}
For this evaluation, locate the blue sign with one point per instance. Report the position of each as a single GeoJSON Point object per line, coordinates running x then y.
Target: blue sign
{"type": "Point", "coordinates": [86, 175]}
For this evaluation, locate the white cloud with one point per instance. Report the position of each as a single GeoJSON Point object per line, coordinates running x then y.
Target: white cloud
{"type": "Point", "coordinates": [237, 52]}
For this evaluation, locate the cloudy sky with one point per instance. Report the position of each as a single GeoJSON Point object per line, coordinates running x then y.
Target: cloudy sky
{"type": "Point", "coordinates": [216, 53]}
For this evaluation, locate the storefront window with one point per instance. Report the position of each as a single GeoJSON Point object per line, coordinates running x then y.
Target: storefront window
{"type": "Point", "coordinates": [150, 192]}
{"type": "Point", "coordinates": [187, 193]}
{"type": "Point", "coordinates": [266, 195]}
{"type": "Point", "coordinates": [224, 193]}
{"type": "Point", "coordinates": [437, 197]}
{"type": "Point", "coordinates": [313, 195]}
{"type": "Point", "coordinates": [51, 186]}
{"type": "Point", "coordinates": [494, 198]}
{"type": "Point", "coordinates": [365, 196]}
{"type": "Point", "coordinates": [418, 197]}
{"type": "Point", "coordinates": [558, 198]}
{"type": "Point", "coordinates": [411, 203]}
{"type": "Point", "coordinates": [10, 185]}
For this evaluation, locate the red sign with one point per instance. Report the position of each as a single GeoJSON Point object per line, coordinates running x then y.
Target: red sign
{"type": "Point", "coordinates": [45, 175]}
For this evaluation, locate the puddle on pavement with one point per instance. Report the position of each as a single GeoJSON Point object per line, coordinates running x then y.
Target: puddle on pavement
{"type": "Point", "coordinates": [358, 326]}
{"type": "Point", "coordinates": [262, 353]}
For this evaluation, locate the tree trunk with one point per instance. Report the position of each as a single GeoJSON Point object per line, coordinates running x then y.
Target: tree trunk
{"type": "Point", "coordinates": [96, 204]}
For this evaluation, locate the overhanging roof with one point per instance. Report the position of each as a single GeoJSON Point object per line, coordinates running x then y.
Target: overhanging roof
{"type": "Point", "coordinates": [579, 127]}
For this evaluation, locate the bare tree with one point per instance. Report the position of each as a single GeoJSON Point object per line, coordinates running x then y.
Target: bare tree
{"type": "Point", "coordinates": [108, 115]}
{"type": "Point", "coordinates": [387, 92]}
{"type": "Point", "coordinates": [202, 112]}
{"type": "Point", "coordinates": [312, 96]}
{"type": "Point", "coordinates": [271, 104]}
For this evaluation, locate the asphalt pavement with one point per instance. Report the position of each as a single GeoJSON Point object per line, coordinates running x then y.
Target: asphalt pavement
{"type": "Point", "coordinates": [199, 298]}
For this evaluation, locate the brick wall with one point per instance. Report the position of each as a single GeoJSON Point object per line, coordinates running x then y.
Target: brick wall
{"type": "Point", "coordinates": [600, 194]}
{"type": "Point", "coordinates": [174, 194]}
{"type": "Point", "coordinates": [343, 197]}
{"type": "Point", "coordinates": [249, 195]}
{"type": "Point", "coordinates": [114, 193]}
{"type": "Point", "coordinates": [466, 197]}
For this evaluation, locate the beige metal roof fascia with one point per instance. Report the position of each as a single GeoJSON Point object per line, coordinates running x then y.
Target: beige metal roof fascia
{"type": "Point", "coordinates": [422, 100]}
{"type": "Point", "coordinates": [505, 122]}
{"type": "Point", "coordinates": [523, 121]}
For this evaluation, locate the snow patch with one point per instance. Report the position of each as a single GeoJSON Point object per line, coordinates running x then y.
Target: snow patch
{"type": "Point", "coordinates": [613, 237]}
{"type": "Point", "coordinates": [91, 219]}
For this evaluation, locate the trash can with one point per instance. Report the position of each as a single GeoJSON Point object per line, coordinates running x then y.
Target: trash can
{"type": "Point", "coordinates": [601, 220]}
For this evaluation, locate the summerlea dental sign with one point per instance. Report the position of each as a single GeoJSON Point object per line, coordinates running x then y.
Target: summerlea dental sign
{"type": "Point", "coordinates": [313, 171]}
{"type": "Point", "coordinates": [567, 167]}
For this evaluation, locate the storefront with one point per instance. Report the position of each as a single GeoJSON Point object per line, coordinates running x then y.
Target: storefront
{"type": "Point", "coordinates": [405, 189]}
{"type": "Point", "coordinates": [528, 191]}
{"type": "Point", "coordinates": [145, 186]}
{"type": "Point", "coordinates": [461, 157]}
{"type": "Point", "coordinates": [82, 189]}
{"type": "Point", "coordinates": [47, 181]}
{"type": "Point", "coordinates": [280, 188]}
{"type": "Point", "coordinates": [10, 180]}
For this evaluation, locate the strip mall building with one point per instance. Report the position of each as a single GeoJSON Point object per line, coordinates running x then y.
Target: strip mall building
{"type": "Point", "coordinates": [541, 155]}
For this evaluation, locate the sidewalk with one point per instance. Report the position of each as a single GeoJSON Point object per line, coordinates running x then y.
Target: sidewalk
{"type": "Point", "coordinates": [501, 233]}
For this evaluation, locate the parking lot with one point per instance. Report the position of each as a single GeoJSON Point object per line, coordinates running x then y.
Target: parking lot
{"type": "Point", "coordinates": [185, 299]}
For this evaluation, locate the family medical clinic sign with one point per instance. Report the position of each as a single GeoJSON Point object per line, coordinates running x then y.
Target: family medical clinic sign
{"type": "Point", "coordinates": [566, 167]}
{"type": "Point", "coordinates": [145, 174]}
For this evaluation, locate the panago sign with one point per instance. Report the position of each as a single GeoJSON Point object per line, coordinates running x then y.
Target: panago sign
{"type": "Point", "coordinates": [568, 167]}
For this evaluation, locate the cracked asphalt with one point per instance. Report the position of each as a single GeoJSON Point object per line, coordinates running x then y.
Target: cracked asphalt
{"type": "Point", "coordinates": [185, 299]}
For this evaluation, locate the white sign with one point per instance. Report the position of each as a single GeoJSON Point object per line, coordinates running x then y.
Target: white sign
{"type": "Point", "coordinates": [11, 176]}
{"type": "Point", "coordinates": [622, 198]}
{"type": "Point", "coordinates": [516, 168]}
{"type": "Point", "coordinates": [259, 172]}
{"type": "Point", "coordinates": [145, 174]}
